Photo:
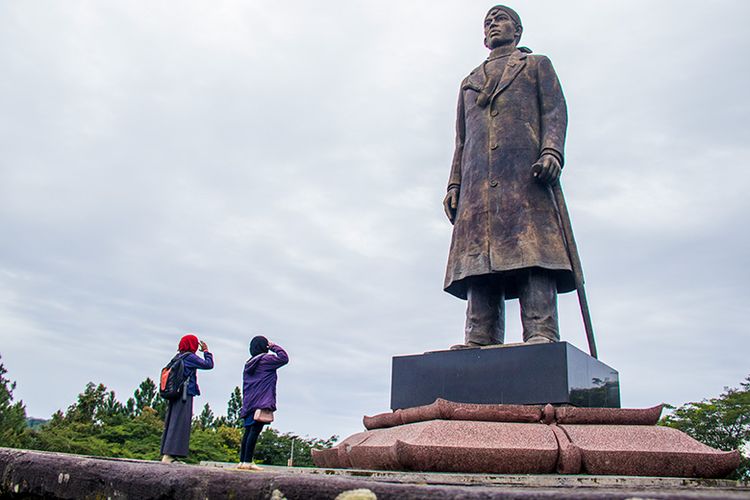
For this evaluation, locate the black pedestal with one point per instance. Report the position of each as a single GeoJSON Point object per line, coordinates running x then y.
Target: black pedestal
{"type": "Point", "coordinates": [523, 374]}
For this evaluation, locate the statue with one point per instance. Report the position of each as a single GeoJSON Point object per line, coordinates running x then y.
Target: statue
{"type": "Point", "coordinates": [507, 236]}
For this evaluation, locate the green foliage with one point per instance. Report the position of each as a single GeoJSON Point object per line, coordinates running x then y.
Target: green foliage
{"type": "Point", "coordinates": [96, 406]}
{"type": "Point", "coordinates": [98, 424]}
{"type": "Point", "coordinates": [147, 396]}
{"type": "Point", "coordinates": [205, 420]}
{"type": "Point", "coordinates": [137, 437]}
{"type": "Point", "coordinates": [722, 423]}
{"type": "Point", "coordinates": [13, 431]}
{"type": "Point", "coordinates": [274, 448]}
{"type": "Point", "coordinates": [69, 434]}
{"type": "Point", "coordinates": [234, 407]}
{"type": "Point", "coordinates": [219, 444]}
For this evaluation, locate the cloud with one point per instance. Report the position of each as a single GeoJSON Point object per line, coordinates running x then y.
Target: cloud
{"type": "Point", "coordinates": [242, 168]}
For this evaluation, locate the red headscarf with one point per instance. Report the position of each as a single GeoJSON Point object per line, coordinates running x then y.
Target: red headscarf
{"type": "Point", "coordinates": [188, 343]}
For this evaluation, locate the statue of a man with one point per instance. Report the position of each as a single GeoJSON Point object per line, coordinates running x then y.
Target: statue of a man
{"type": "Point", "coordinates": [507, 241]}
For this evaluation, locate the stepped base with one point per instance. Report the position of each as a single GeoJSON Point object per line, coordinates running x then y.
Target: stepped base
{"type": "Point", "coordinates": [563, 440]}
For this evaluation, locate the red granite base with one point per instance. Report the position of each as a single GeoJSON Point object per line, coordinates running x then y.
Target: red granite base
{"type": "Point", "coordinates": [511, 439]}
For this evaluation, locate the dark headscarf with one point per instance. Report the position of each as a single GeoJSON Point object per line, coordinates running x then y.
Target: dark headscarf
{"type": "Point", "coordinates": [188, 343]}
{"type": "Point", "coordinates": [258, 345]}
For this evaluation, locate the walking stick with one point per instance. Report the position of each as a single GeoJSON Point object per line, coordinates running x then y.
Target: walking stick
{"type": "Point", "coordinates": [575, 259]}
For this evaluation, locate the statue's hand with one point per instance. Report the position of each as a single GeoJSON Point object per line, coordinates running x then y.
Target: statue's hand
{"type": "Point", "coordinates": [450, 204]}
{"type": "Point", "coordinates": [547, 169]}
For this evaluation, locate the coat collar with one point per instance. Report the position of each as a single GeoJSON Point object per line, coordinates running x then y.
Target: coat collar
{"type": "Point", "coordinates": [515, 64]}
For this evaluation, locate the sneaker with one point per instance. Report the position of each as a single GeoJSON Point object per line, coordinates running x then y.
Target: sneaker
{"type": "Point", "coordinates": [168, 459]}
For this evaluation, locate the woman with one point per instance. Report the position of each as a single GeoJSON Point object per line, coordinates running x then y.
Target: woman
{"type": "Point", "coordinates": [258, 392]}
{"type": "Point", "coordinates": [175, 441]}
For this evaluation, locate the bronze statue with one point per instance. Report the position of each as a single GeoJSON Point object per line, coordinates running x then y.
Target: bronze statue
{"type": "Point", "coordinates": [507, 239]}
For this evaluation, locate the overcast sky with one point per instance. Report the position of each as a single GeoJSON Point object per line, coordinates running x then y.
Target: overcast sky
{"type": "Point", "coordinates": [234, 168]}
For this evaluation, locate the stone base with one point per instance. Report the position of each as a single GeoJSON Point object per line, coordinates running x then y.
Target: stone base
{"type": "Point", "coordinates": [564, 440]}
{"type": "Point", "coordinates": [556, 373]}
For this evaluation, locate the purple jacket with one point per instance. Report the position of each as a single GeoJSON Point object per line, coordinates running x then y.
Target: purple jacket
{"type": "Point", "coordinates": [192, 363]}
{"type": "Point", "coordinates": [259, 380]}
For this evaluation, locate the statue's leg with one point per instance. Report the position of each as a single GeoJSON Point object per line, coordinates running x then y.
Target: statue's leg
{"type": "Point", "coordinates": [537, 294]}
{"type": "Point", "coordinates": [485, 312]}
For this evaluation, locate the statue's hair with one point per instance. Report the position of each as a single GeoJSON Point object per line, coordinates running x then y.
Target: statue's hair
{"type": "Point", "coordinates": [512, 13]}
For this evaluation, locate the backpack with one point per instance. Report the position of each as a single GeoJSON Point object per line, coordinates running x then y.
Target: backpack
{"type": "Point", "coordinates": [173, 382]}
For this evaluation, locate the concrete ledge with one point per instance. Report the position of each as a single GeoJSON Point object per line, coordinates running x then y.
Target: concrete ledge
{"type": "Point", "coordinates": [524, 480]}
{"type": "Point", "coordinates": [31, 474]}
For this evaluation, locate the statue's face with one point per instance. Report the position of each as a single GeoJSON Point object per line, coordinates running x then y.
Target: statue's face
{"type": "Point", "coordinates": [499, 29]}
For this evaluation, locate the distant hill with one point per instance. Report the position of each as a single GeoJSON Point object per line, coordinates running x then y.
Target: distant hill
{"type": "Point", "coordinates": [35, 423]}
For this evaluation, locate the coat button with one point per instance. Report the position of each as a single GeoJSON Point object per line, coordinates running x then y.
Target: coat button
{"type": "Point", "coordinates": [493, 183]}
{"type": "Point", "coordinates": [494, 145]}
{"type": "Point", "coordinates": [494, 113]}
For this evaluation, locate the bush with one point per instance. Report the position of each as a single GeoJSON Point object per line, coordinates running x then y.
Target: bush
{"type": "Point", "coordinates": [722, 423]}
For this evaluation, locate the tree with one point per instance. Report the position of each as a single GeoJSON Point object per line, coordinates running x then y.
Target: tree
{"type": "Point", "coordinates": [147, 395]}
{"type": "Point", "coordinates": [274, 448]}
{"type": "Point", "coordinates": [722, 423]}
{"type": "Point", "coordinates": [12, 415]}
{"type": "Point", "coordinates": [88, 425]}
{"type": "Point", "coordinates": [205, 420]}
{"type": "Point", "coordinates": [90, 408]}
{"type": "Point", "coordinates": [234, 408]}
{"type": "Point", "coordinates": [98, 424]}
{"type": "Point", "coordinates": [111, 409]}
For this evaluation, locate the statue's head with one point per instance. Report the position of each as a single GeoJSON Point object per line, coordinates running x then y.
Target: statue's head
{"type": "Point", "coordinates": [502, 26]}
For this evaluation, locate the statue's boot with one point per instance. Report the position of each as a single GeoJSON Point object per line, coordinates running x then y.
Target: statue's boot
{"type": "Point", "coordinates": [469, 345]}
{"type": "Point", "coordinates": [539, 339]}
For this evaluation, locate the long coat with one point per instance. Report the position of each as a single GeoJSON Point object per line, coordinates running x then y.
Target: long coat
{"type": "Point", "coordinates": [506, 220]}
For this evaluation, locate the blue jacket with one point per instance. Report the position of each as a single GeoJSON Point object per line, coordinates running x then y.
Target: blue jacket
{"type": "Point", "coordinates": [192, 363]}
{"type": "Point", "coordinates": [259, 380]}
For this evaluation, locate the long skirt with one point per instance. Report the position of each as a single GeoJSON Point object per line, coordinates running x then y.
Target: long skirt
{"type": "Point", "coordinates": [176, 438]}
